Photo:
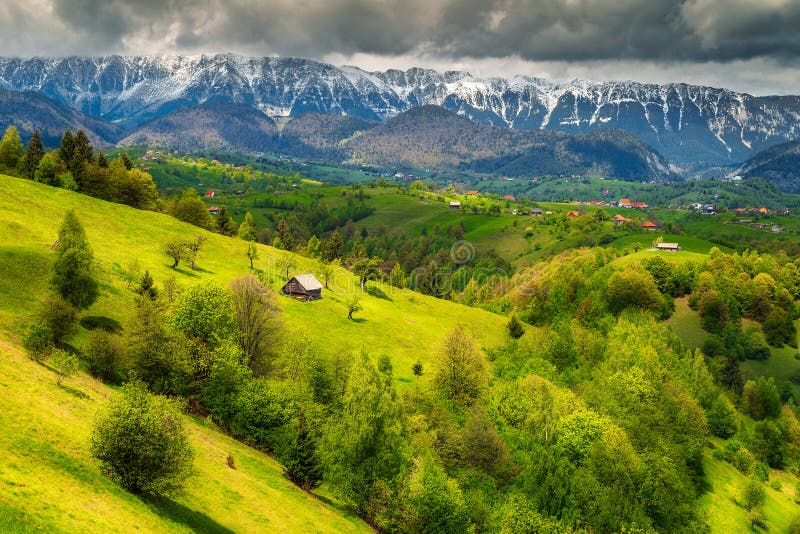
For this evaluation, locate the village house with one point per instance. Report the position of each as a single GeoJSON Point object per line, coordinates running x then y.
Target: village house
{"type": "Point", "coordinates": [509, 197]}
{"type": "Point", "coordinates": [670, 247]}
{"type": "Point", "coordinates": [303, 287]}
{"type": "Point", "coordinates": [455, 204]}
{"type": "Point", "coordinates": [619, 219]}
{"type": "Point", "coordinates": [213, 210]}
{"type": "Point", "coordinates": [649, 225]}
{"type": "Point", "coordinates": [625, 203]}
{"type": "Point", "coordinates": [210, 194]}
{"type": "Point", "coordinates": [536, 211]}
{"type": "Point", "coordinates": [472, 193]}
{"type": "Point", "coordinates": [573, 214]}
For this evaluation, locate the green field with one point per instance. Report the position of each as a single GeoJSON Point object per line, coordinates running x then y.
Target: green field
{"type": "Point", "coordinates": [47, 479]}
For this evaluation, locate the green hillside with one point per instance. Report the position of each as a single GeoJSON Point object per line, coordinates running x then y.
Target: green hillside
{"type": "Point", "coordinates": [47, 479]}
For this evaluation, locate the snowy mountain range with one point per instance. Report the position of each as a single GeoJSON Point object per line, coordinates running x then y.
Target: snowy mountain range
{"type": "Point", "coordinates": [688, 124]}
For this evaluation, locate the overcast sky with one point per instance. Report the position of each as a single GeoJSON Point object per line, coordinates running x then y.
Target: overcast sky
{"type": "Point", "coordinates": [746, 45]}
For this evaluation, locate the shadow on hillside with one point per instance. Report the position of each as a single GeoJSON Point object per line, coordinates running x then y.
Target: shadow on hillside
{"type": "Point", "coordinates": [177, 512]}
{"type": "Point", "coordinates": [185, 272]}
{"type": "Point", "coordinates": [90, 322]}
{"type": "Point", "coordinates": [201, 270]}
{"type": "Point", "coordinates": [73, 391]}
{"type": "Point", "coordinates": [358, 320]}
{"type": "Point", "coordinates": [378, 293]}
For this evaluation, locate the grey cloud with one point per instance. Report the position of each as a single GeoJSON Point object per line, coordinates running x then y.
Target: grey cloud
{"type": "Point", "coordinates": [538, 30]}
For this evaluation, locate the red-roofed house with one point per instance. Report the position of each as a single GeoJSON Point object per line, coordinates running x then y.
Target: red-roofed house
{"type": "Point", "coordinates": [472, 193]}
{"type": "Point", "coordinates": [641, 205]}
{"type": "Point", "coordinates": [213, 210]}
{"type": "Point", "coordinates": [619, 219]}
{"type": "Point", "coordinates": [648, 225]}
{"type": "Point", "coordinates": [509, 197]}
{"type": "Point", "coordinates": [573, 214]}
{"type": "Point", "coordinates": [209, 193]}
{"type": "Point", "coordinates": [625, 203]}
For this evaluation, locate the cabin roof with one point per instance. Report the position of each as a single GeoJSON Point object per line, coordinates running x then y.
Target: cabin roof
{"type": "Point", "coordinates": [308, 281]}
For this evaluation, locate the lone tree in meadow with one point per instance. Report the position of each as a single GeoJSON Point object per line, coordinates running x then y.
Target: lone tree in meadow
{"type": "Point", "coordinates": [515, 328]}
{"type": "Point", "coordinates": [73, 276]}
{"type": "Point", "coordinates": [141, 443]}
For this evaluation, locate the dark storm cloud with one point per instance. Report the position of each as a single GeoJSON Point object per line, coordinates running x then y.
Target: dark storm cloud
{"type": "Point", "coordinates": [537, 30]}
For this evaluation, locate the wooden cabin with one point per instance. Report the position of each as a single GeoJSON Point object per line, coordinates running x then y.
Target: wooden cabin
{"type": "Point", "coordinates": [303, 287]}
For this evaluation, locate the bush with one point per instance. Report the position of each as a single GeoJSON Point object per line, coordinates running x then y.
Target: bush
{"type": "Point", "coordinates": [721, 420]}
{"type": "Point", "coordinates": [104, 354]}
{"type": "Point", "coordinates": [59, 315]}
{"type": "Point", "coordinates": [753, 495]}
{"type": "Point", "coordinates": [64, 363]}
{"type": "Point", "coordinates": [633, 288]}
{"type": "Point", "coordinates": [37, 341]}
{"type": "Point", "coordinates": [140, 442]}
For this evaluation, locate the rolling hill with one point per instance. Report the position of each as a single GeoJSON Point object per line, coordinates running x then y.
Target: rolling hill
{"type": "Point", "coordinates": [430, 136]}
{"type": "Point", "coordinates": [210, 126]}
{"type": "Point", "coordinates": [779, 165]}
{"type": "Point", "coordinates": [28, 110]}
{"type": "Point", "coordinates": [47, 458]}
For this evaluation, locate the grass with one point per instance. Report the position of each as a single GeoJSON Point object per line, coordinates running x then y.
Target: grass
{"type": "Point", "coordinates": [686, 324]}
{"type": "Point", "coordinates": [721, 508]}
{"type": "Point", "coordinates": [407, 326]}
{"type": "Point", "coordinates": [48, 481]}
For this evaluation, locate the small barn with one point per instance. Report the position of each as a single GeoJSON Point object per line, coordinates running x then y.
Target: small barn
{"type": "Point", "coordinates": [670, 247]}
{"type": "Point", "coordinates": [303, 287]}
{"type": "Point", "coordinates": [455, 204]}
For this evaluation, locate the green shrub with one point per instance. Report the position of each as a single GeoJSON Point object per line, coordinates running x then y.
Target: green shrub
{"type": "Point", "coordinates": [104, 355]}
{"type": "Point", "coordinates": [64, 363]}
{"type": "Point", "coordinates": [38, 341]}
{"type": "Point", "coordinates": [140, 442]}
{"type": "Point", "coordinates": [59, 315]}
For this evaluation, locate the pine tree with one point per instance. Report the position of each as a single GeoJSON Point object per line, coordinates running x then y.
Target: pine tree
{"type": "Point", "coordinates": [284, 235]}
{"type": "Point", "coordinates": [72, 271]}
{"type": "Point", "coordinates": [10, 149]}
{"type": "Point", "coordinates": [67, 149]}
{"type": "Point", "coordinates": [146, 288]}
{"type": "Point", "coordinates": [301, 464]}
{"type": "Point", "coordinates": [126, 160]}
{"type": "Point", "coordinates": [33, 155]}
{"type": "Point", "coordinates": [515, 328]}
{"type": "Point", "coordinates": [102, 162]}
{"type": "Point", "coordinates": [223, 221]}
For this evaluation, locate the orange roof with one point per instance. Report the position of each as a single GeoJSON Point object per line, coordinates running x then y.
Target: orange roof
{"type": "Point", "coordinates": [509, 197]}
{"type": "Point", "coordinates": [471, 193]}
{"type": "Point", "coordinates": [763, 210]}
{"type": "Point", "coordinates": [649, 224]}
{"type": "Point", "coordinates": [624, 201]}
{"type": "Point", "coordinates": [572, 214]}
{"type": "Point", "coordinates": [619, 217]}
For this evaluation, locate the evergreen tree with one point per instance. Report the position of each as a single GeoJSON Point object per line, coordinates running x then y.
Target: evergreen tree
{"type": "Point", "coordinates": [126, 160]}
{"type": "Point", "coordinates": [146, 288]}
{"type": "Point", "coordinates": [102, 162]}
{"type": "Point", "coordinates": [284, 234]}
{"type": "Point", "coordinates": [515, 328]}
{"type": "Point", "coordinates": [33, 155]}
{"type": "Point", "coordinates": [83, 149]}
{"type": "Point", "coordinates": [67, 149]}
{"type": "Point", "coordinates": [301, 465]}
{"type": "Point", "coordinates": [10, 149]}
{"type": "Point", "coordinates": [72, 271]}
{"type": "Point", "coordinates": [223, 221]}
